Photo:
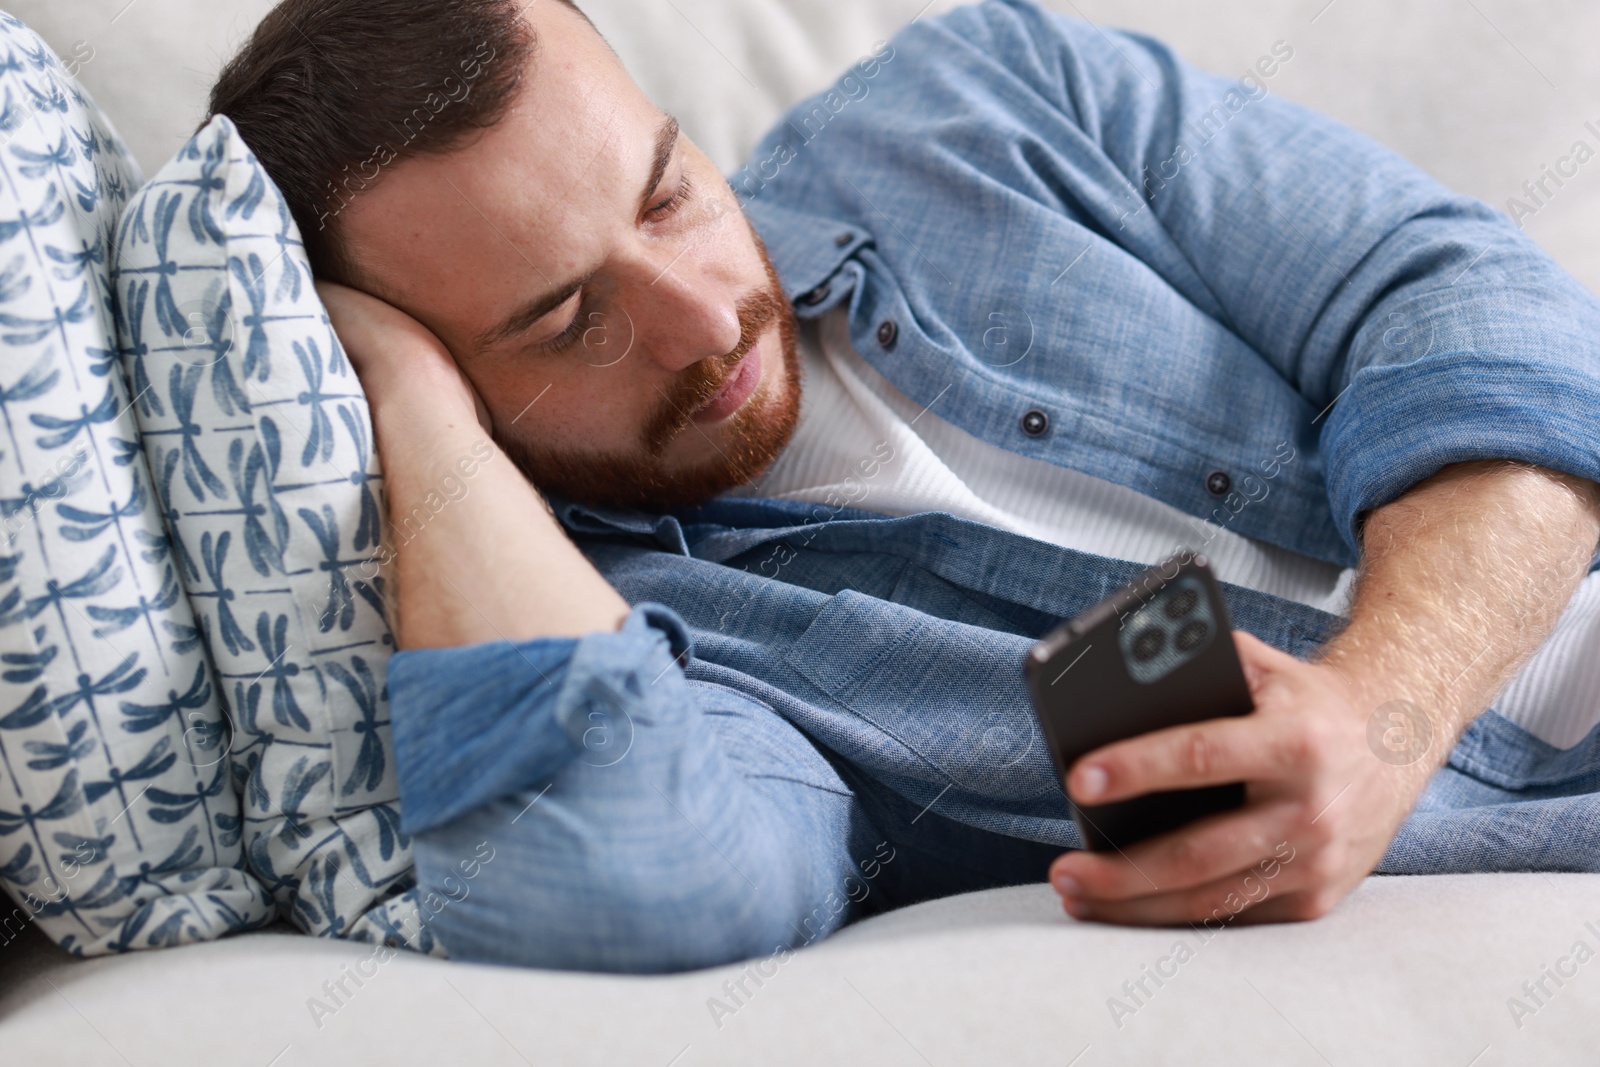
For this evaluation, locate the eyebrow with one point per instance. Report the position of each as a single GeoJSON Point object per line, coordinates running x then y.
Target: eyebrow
{"type": "Point", "coordinates": [530, 313]}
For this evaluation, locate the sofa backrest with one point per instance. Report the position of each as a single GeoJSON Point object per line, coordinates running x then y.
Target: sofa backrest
{"type": "Point", "coordinates": [1481, 98]}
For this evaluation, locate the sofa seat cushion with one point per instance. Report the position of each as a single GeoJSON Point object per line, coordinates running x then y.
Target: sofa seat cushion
{"type": "Point", "coordinates": [1406, 970]}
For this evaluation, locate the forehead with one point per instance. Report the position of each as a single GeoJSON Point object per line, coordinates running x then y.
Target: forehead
{"type": "Point", "coordinates": [456, 239]}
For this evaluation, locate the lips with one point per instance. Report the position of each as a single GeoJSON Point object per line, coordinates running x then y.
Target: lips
{"type": "Point", "coordinates": [738, 389]}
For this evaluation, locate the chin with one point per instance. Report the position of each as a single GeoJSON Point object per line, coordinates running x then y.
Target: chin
{"type": "Point", "coordinates": [750, 440]}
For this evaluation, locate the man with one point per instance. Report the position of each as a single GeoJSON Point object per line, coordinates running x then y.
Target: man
{"type": "Point", "coordinates": [709, 732]}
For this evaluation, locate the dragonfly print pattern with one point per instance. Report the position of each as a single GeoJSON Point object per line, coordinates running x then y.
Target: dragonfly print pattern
{"type": "Point", "coordinates": [259, 440]}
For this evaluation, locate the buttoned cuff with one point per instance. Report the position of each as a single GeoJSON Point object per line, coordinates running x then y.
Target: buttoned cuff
{"type": "Point", "coordinates": [476, 723]}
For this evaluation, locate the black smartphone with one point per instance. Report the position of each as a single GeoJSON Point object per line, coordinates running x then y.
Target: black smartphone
{"type": "Point", "coordinates": [1156, 653]}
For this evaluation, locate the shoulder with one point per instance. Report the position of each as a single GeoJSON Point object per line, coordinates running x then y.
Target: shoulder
{"type": "Point", "coordinates": [1005, 45]}
{"type": "Point", "coordinates": [1026, 30]}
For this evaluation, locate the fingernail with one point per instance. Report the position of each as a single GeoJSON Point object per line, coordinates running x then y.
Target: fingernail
{"type": "Point", "coordinates": [1067, 885]}
{"type": "Point", "coordinates": [1091, 782]}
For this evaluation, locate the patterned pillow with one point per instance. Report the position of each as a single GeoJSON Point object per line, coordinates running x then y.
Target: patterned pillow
{"type": "Point", "coordinates": [119, 828]}
{"type": "Point", "coordinates": [258, 433]}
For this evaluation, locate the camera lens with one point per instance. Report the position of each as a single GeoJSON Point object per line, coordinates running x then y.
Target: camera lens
{"type": "Point", "coordinates": [1181, 603]}
{"type": "Point", "coordinates": [1147, 643]}
{"type": "Point", "coordinates": [1192, 636]}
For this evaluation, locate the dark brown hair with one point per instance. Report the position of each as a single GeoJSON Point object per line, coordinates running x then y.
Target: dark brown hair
{"type": "Point", "coordinates": [327, 93]}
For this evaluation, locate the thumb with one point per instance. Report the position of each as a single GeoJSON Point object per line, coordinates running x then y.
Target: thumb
{"type": "Point", "coordinates": [1258, 659]}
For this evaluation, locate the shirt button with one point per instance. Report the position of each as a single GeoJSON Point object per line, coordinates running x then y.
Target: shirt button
{"type": "Point", "coordinates": [817, 295]}
{"type": "Point", "coordinates": [1218, 483]}
{"type": "Point", "coordinates": [842, 240]}
{"type": "Point", "coordinates": [1035, 423]}
{"type": "Point", "coordinates": [887, 332]}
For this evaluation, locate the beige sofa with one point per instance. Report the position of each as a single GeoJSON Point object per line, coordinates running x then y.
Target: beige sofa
{"type": "Point", "coordinates": [1457, 970]}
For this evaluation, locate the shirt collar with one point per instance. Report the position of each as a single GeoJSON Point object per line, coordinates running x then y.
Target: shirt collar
{"type": "Point", "coordinates": [806, 249]}
{"type": "Point", "coordinates": [667, 529]}
{"type": "Point", "coordinates": [605, 519]}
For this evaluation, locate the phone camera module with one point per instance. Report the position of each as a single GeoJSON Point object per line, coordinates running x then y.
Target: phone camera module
{"type": "Point", "coordinates": [1168, 631]}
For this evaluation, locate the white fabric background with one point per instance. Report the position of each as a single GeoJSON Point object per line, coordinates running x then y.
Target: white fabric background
{"type": "Point", "coordinates": [1481, 93]}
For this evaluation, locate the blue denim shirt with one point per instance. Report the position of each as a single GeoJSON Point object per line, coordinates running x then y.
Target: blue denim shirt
{"type": "Point", "coordinates": [1184, 273]}
{"type": "Point", "coordinates": [1188, 276]}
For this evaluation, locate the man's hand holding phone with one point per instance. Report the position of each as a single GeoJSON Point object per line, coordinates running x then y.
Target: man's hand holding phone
{"type": "Point", "coordinates": [1311, 780]}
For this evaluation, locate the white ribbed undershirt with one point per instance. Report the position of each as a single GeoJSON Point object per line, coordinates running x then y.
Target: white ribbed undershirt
{"type": "Point", "coordinates": [851, 415]}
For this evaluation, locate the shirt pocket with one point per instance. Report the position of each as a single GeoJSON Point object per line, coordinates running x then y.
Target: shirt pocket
{"type": "Point", "coordinates": [1496, 751]}
{"type": "Point", "coordinates": [945, 695]}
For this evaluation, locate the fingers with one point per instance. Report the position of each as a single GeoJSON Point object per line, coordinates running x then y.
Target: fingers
{"type": "Point", "coordinates": [1282, 887]}
{"type": "Point", "coordinates": [330, 290]}
{"type": "Point", "coordinates": [1256, 653]}
{"type": "Point", "coordinates": [481, 409]}
{"type": "Point", "coordinates": [1299, 906]}
{"type": "Point", "coordinates": [1256, 747]}
{"type": "Point", "coordinates": [1192, 856]}
{"type": "Point", "coordinates": [378, 329]}
{"type": "Point", "coordinates": [1215, 752]}
{"type": "Point", "coordinates": [1243, 899]}
{"type": "Point", "coordinates": [1223, 896]}
{"type": "Point", "coordinates": [1271, 860]}
{"type": "Point", "coordinates": [1243, 896]}
{"type": "Point", "coordinates": [394, 354]}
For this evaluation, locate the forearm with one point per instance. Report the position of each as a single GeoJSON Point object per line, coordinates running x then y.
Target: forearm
{"type": "Point", "coordinates": [1461, 580]}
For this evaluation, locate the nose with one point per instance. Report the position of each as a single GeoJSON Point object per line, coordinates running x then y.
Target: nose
{"type": "Point", "coordinates": [687, 312]}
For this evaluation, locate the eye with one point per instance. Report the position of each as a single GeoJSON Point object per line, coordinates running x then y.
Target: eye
{"type": "Point", "coordinates": [575, 328]}
{"type": "Point", "coordinates": [566, 337]}
{"type": "Point", "coordinates": [669, 206]}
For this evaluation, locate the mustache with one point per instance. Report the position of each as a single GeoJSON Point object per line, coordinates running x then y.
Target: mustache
{"type": "Point", "coordinates": [697, 385]}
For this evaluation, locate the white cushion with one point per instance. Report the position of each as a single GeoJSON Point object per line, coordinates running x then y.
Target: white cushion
{"type": "Point", "coordinates": [119, 826]}
{"type": "Point", "coordinates": [1405, 971]}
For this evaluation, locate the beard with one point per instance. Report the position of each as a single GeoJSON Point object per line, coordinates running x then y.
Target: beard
{"type": "Point", "coordinates": [751, 437]}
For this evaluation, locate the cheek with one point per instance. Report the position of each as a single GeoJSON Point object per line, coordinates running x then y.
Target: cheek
{"type": "Point", "coordinates": [723, 241]}
{"type": "Point", "coordinates": [571, 408]}
{"type": "Point", "coordinates": [732, 257]}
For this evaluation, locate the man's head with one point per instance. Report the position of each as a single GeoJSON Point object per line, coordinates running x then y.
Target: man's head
{"type": "Point", "coordinates": [488, 167]}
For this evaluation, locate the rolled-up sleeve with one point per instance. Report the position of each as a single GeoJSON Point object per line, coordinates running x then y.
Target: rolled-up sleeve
{"type": "Point", "coordinates": [1504, 371]}
{"type": "Point", "coordinates": [475, 723]}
